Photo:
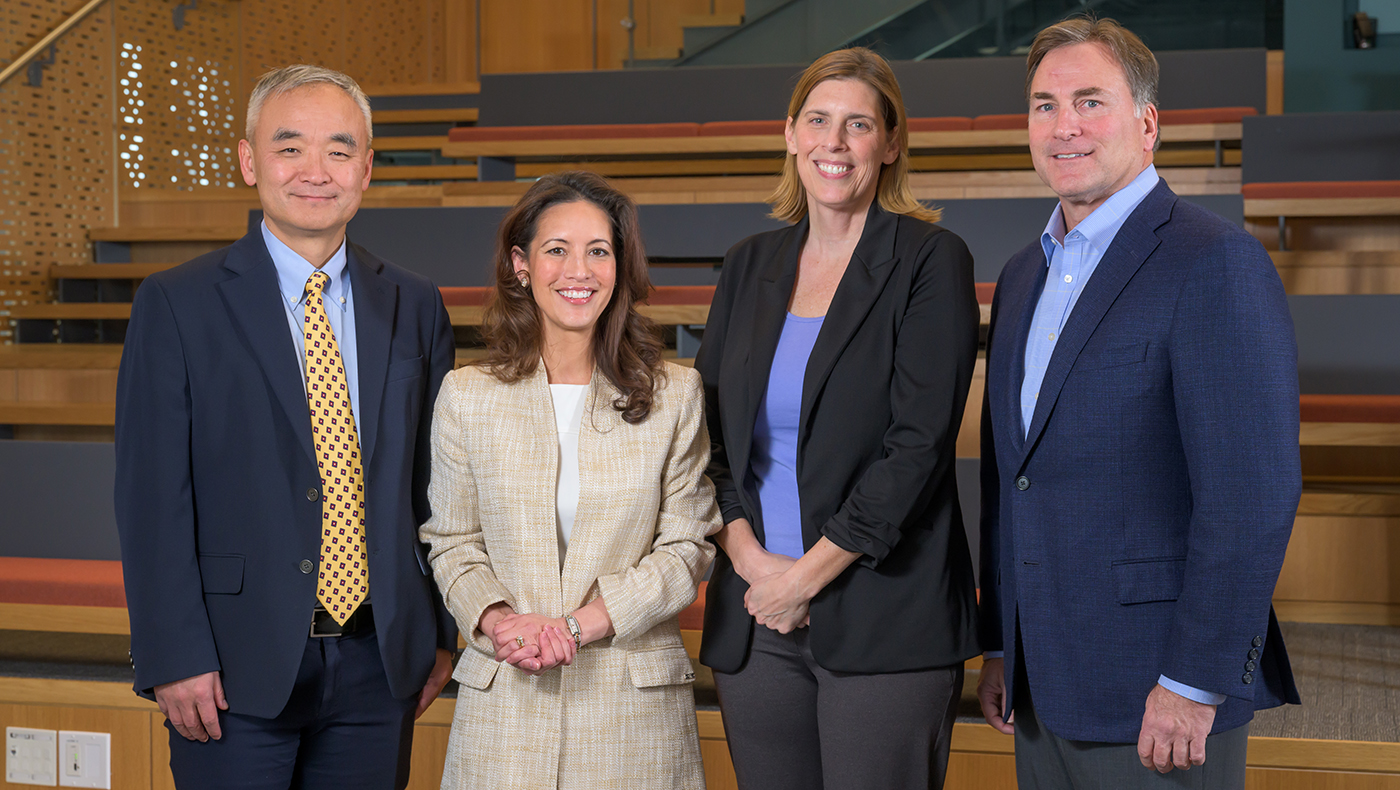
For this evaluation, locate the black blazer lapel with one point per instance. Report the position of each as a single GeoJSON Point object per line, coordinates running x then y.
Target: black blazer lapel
{"type": "Point", "coordinates": [375, 302]}
{"type": "Point", "coordinates": [254, 300]}
{"type": "Point", "coordinates": [769, 314]}
{"type": "Point", "coordinates": [1130, 248]}
{"type": "Point", "coordinates": [860, 286]}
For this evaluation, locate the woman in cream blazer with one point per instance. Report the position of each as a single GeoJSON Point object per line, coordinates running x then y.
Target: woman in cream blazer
{"type": "Point", "coordinates": [575, 675]}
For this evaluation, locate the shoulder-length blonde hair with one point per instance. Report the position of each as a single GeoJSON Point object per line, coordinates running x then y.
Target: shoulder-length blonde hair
{"type": "Point", "coordinates": [627, 345]}
{"type": "Point", "coordinates": [789, 202]}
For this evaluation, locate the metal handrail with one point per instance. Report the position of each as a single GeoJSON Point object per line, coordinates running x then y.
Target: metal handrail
{"type": "Point", "coordinates": [44, 42]}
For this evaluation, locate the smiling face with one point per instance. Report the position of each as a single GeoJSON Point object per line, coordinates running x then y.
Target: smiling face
{"type": "Point", "coordinates": [310, 160]}
{"type": "Point", "coordinates": [840, 143]}
{"type": "Point", "coordinates": [572, 268]}
{"type": "Point", "coordinates": [1087, 139]}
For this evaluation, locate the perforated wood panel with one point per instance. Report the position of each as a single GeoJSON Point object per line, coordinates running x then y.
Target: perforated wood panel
{"type": "Point", "coordinates": [56, 177]}
{"type": "Point", "coordinates": [278, 33]}
{"type": "Point", "coordinates": [179, 97]}
{"type": "Point", "coordinates": [396, 49]}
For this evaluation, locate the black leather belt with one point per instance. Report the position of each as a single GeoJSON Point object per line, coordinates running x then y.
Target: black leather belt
{"type": "Point", "coordinates": [323, 625]}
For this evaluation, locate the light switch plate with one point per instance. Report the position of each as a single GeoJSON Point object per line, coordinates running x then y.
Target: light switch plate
{"type": "Point", "coordinates": [31, 756]}
{"type": "Point", "coordinates": [84, 759]}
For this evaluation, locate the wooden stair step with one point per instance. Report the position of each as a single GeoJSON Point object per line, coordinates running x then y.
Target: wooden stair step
{"type": "Point", "coordinates": [440, 115]}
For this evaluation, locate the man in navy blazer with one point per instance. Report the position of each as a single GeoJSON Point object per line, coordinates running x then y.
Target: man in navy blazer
{"type": "Point", "coordinates": [219, 493]}
{"type": "Point", "coordinates": [1139, 452]}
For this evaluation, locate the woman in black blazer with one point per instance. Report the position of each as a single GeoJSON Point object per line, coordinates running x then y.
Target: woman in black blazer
{"type": "Point", "coordinates": [836, 363]}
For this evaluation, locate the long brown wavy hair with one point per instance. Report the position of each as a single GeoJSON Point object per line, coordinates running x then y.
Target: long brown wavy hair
{"type": "Point", "coordinates": [627, 345]}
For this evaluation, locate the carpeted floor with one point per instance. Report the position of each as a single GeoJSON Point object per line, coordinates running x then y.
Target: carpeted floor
{"type": "Point", "coordinates": [1349, 679]}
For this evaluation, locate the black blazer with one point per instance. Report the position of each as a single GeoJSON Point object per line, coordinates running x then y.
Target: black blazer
{"type": "Point", "coordinates": [882, 401]}
{"type": "Point", "coordinates": [216, 487]}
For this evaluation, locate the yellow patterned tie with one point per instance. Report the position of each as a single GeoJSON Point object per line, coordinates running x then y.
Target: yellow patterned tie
{"type": "Point", "coordinates": [344, 574]}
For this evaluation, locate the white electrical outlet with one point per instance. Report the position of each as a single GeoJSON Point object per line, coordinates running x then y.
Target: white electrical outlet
{"type": "Point", "coordinates": [31, 756]}
{"type": "Point", "coordinates": [84, 759]}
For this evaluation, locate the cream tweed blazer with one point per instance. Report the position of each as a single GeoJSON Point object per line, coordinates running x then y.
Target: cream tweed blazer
{"type": "Point", "coordinates": [623, 714]}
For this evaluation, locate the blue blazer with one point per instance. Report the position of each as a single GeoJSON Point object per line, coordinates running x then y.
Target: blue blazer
{"type": "Point", "coordinates": [217, 488]}
{"type": "Point", "coordinates": [1139, 527]}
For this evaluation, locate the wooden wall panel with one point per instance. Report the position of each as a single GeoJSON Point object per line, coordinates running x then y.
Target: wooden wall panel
{"type": "Point", "coordinates": [56, 176]}
{"type": "Point", "coordinates": [395, 47]}
{"type": "Point", "coordinates": [130, 729]}
{"type": "Point", "coordinates": [278, 33]}
{"type": "Point", "coordinates": [536, 35]}
{"type": "Point", "coordinates": [1342, 559]}
{"type": "Point", "coordinates": [179, 102]}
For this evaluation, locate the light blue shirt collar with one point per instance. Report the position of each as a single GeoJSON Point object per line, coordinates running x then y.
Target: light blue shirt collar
{"type": "Point", "coordinates": [293, 271]}
{"type": "Point", "coordinates": [1103, 224]}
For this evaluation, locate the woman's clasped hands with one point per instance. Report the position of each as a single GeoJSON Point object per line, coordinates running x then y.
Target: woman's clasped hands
{"type": "Point", "coordinates": [532, 643]}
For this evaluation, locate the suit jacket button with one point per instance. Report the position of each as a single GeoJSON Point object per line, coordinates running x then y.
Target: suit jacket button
{"type": "Point", "coordinates": [312, 495]}
{"type": "Point", "coordinates": [1258, 641]}
{"type": "Point", "coordinates": [1022, 483]}
{"type": "Point", "coordinates": [307, 566]}
{"type": "Point", "coordinates": [1249, 666]}
{"type": "Point", "coordinates": [1253, 654]}
{"type": "Point", "coordinates": [1248, 678]}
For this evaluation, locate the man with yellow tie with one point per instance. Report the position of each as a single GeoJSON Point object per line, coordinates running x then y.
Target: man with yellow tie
{"type": "Point", "coordinates": [273, 409]}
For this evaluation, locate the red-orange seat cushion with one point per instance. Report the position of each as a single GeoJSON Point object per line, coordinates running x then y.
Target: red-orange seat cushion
{"type": "Point", "coordinates": [1349, 408]}
{"type": "Point", "coordinates": [988, 122]}
{"type": "Point", "coordinates": [952, 123]}
{"type": "Point", "coordinates": [461, 296]}
{"type": "Point", "coordinates": [61, 582]}
{"type": "Point", "coordinates": [681, 295]}
{"type": "Point", "coordinates": [1321, 189]}
{"type": "Point", "coordinates": [1205, 115]}
{"type": "Point", "coordinates": [693, 617]}
{"type": "Point", "coordinates": [985, 292]}
{"type": "Point", "coordinates": [726, 128]}
{"type": "Point", "coordinates": [602, 131]}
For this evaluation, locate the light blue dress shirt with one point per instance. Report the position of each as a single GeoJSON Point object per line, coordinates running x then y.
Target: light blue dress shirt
{"type": "Point", "coordinates": [1072, 257]}
{"type": "Point", "coordinates": [292, 273]}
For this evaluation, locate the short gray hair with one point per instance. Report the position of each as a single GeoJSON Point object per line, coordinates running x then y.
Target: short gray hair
{"type": "Point", "coordinates": [289, 78]}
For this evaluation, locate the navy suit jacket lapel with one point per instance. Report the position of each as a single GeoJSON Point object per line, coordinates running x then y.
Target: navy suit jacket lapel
{"type": "Point", "coordinates": [1024, 281]}
{"type": "Point", "coordinates": [860, 287]}
{"type": "Point", "coordinates": [254, 300]}
{"type": "Point", "coordinates": [375, 302]}
{"type": "Point", "coordinates": [1130, 248]}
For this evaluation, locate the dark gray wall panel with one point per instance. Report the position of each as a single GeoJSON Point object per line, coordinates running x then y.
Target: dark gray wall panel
{"type": "Point", "coordinates": [969, 472]}
{"type": "Point", "coordinates": [952, 86]}
{"type": "Point", "coordinates": [58, 500]}
{"type": "Point", "coordinates": [1350, 146]}
{"type": "Point", "coordinates": [1348, 345]}
{"type": "Point", "coordinates": [453, 246]}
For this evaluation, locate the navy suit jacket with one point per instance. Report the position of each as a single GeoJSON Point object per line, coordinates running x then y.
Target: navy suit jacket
{"type": "Point", "coordinates": [1139, 527]}
{"type": "Point", "coordinates": [217, 488]}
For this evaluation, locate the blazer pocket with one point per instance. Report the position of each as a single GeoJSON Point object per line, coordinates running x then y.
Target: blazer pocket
{"type": "Point", "coordinates": [404, 369]}
{"type": "Point", "coordinates": [667, 666]}
{"type": "Point", "coordinates": [1146, 581]}
{"type": "Point", "coordinates": [1112, 357]}
{"type": "Point", "coordinates": [475, 670]}
{"type": "Point", "coordinates": [221, 573]}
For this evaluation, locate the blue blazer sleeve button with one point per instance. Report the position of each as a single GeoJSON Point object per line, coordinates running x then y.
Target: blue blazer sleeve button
{"type": "Point", "coordinates": [1248, 678]}
{"type": "Point", "coordinates": [307, 566]}
{"type": "Point", "coordinates": [1253, 654]}
{"type": "Point", "coordinates": [1022, 483]}
{"type": "Point", "coordinates": [1249, 666]}
{"type": "Point", "coordinates": [1258, 641]}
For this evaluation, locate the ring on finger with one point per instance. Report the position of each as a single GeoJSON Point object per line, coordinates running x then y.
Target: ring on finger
{"type": "Point", "coordinates": [520, 640]}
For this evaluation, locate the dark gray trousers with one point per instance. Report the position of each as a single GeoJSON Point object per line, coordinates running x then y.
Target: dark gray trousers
{"type": "Point", "coordinates": [792, 724]}
{"type": "Point", "coordinates": [1045, 761]}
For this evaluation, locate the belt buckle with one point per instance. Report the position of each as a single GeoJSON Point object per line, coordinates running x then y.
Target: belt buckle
{"type": "Point", "coordinates": [326, 621]}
